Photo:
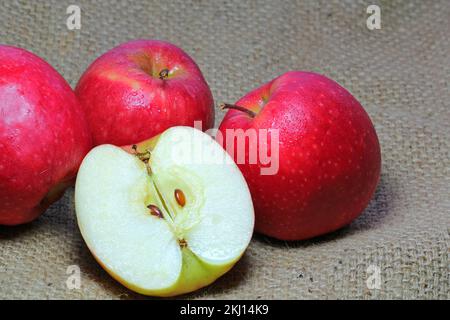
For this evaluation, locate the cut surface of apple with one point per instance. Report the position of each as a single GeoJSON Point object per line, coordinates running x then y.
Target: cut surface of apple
{"type": "Point", "coordinates": [167, 216]}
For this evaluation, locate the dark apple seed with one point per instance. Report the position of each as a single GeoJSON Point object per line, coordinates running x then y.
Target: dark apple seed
{"type": "Point", "coordinates": [155, 211]}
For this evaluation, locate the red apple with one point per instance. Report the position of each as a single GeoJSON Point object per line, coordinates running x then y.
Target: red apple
{"type": "Point", "coordinates": [139, 89]}
{"type": "Point", "coordinates": [43, 135]}
{"type": "Point", "coordinates": [328, 155]}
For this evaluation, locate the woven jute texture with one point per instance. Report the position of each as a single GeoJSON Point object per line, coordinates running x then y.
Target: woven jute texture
{"type": "Point", "coordinates": [399, 73]}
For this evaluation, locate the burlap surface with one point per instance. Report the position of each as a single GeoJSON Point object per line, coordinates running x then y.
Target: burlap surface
{"type": "Point", "coordinates": [399, 73]}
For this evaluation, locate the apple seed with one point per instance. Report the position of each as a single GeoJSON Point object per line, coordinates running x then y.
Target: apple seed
{"type": "Point", "coordinates": [155, 211]}
{"type": "Point", "coordinates": [180, 197]}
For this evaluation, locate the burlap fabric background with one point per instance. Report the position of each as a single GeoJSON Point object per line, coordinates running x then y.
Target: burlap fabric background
{"type": "Point", "coordinates": [399, 73]}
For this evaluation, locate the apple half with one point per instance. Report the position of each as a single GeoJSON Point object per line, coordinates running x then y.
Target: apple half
{"type": "Point", "coordinates": [166, 216]}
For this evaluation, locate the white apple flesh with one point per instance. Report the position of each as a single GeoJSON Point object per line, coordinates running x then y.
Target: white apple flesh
{"type": "Point", "coordinates": [167, 221]}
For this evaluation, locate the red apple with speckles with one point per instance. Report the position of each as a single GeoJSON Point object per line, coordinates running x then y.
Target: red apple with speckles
{"type": "Point", "coordinates": [43, 135]}
{"type": "Point", "coordinates": [328, 161]}
{"type": "Point", "coordinates": [141, 88]}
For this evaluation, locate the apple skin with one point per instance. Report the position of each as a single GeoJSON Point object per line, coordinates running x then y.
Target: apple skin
{"type": "Point", "coordinates": [43, 135]}
{"type": "Point", "coordinates": [125, 100]}
{"type": "Point", "coordinates": [329, 155]}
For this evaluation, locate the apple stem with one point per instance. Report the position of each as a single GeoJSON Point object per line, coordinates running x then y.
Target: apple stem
{"type": "Point", "coordinates": [164, 74]}
{"type": "Point", "coordinates": [143, 156]}
{"type": "Point", "coordinates": [235, 107]}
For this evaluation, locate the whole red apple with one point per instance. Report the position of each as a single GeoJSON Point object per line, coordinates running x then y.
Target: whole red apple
{"type": "Point", "coordinates": [43, 135]}
{"type": "Point", "coordinates": [328, 156]}
{"type": "Point", "coordinates": [139, 89]}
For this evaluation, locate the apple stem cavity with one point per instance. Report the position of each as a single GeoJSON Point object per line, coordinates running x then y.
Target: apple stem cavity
{"type": "Point", "coordinates": [164, 74]}
{"type": "Point", "coordinates": [180, 197]}
{"type": "Point", "coordinates": [239, 108]}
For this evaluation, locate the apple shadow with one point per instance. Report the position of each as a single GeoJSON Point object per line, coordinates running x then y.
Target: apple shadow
{"type": "Point", "coordinates": [12, 232]}
{"type": "Point", "coordinates": [372, 217]}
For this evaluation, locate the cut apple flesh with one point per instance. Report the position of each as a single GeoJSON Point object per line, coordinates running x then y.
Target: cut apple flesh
{"type": "Point", "coordinates": [164, 221]}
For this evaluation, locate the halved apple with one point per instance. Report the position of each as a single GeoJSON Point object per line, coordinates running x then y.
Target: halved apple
{"type": "Point", "coordinates": [167, 216]}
